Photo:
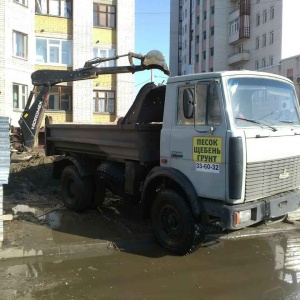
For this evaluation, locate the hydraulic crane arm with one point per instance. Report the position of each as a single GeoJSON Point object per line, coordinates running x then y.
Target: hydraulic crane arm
{"type": "Point", "coordinates": [153, 60]}
{"type": "Point", "coordinates": [32, 115]}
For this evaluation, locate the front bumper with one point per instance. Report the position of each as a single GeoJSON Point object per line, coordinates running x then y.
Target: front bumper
{"type": "Point", "coordinates": [262, 209]}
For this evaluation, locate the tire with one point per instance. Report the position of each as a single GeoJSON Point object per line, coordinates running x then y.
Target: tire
{"type": "Point", "coordinates": [113, 175]}
{"type": "Point", "coordinates": [76, 190]}
{"type": "Point", "coordinates": [99, 193]}
{"type": "Point", "coordinates": [173, 224]}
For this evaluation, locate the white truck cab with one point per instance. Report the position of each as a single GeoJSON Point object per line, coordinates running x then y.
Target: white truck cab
{"type": "Point", "coordinates": [235, 135]}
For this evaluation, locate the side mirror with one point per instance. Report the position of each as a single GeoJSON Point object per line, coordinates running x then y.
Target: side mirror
{"type": "Point", "coordinates": [188, 103]}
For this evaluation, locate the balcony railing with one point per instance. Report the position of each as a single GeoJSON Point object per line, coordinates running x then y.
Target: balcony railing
{"type": "Point", "coordinates": [239, 57]}
{"type": "Point", "coordinates": [245, 7]}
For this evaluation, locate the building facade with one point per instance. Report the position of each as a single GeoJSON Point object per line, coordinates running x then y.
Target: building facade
{"type": "Point", "coordinates": [63, 35]}
{"type": "Point", "coordinates": [215, 35]}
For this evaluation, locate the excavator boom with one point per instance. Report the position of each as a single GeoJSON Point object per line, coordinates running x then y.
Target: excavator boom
{"type": "Point", "coordinates": [153, 60]}
{"type": "Point", "coordinates": [32, 115]}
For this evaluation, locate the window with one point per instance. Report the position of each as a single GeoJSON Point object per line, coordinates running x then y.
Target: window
{"type": "Point", "coordinates": [264, 40]}
{"type": "Point", "coordinates": [271, 61]}
{"type": "Point", "coordinates": [60, 98]}
{"type": "Point", "coordinates": [272, 12]}
{"type": "Point", "coordinates": [197, 58]}
{"type": "Point", "coordinates": [257, 19]}
{"type": "Point", "coordinates": [51, 51]}
{"type": "Point", "coordinates": [185, 28]}
{"type": "Point", "coordinates": [263, 63]}
{"type": "Point", "coordinates": [211, 50]}
{"type": "Point", "coordinates": [265, 15]}
{"type": "Point", "coordinates": [207, 110]}
{"type": "Point", "coordinates": [104, 102]}
{"type": "Point", "coordinates": [240, 48]}
{"type": "Point", "coordinates": [212, 31]}
{"type": "Point", "coordinates": [212, 10]}
{"type": "Point", "coordinates": [22, 2]}
{"type": "Point", "coordinates": [20, 92]}
{"type": "Point", "coordinates": [204, 55]}
{"type": "Point", "coordinates": [256, 65]}
{"type": "Point", "coordinates": [197, 20]}
{"type": "Point", "coordinates": [61, 8]}
{"type": "Point", "coordinates": [271, 37]}
{"type": "Point", "coordinates": [204, 35]}
{"type": "Point", "coordinates": [185, 13]}
{"type": "Point", "coordinates": [264, 100]}
{"type": "Point", "coordinates": [290, 74]}
{"type": "Point", "coordinates": [105, 53]}
{"type": "Point", "coordinates": [180, 30]}
{"type": "Point", "coordinates": [257, 43]}
{"type": "Point", "coordinates": [197, 39]}
{"type": "Point", "coordinates": [204, 15]}
{"type": "Point", "coordinates": [104, 15]}
{"type": "Point", "coordinates": [20, 44]}
{"type": "Point", "coordinates": [234, 26]}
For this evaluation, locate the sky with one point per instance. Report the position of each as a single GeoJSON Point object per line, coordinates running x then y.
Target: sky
{"type": "Point", "coordinates": [152, 32]}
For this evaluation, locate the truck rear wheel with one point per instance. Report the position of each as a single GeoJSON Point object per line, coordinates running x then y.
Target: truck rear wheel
{"type": "Point", "coordinates": [76, 190]}
{"type": "Point", "coordinates": [99, 193]}
{"type": "Point", "coordinates": [173, 224]}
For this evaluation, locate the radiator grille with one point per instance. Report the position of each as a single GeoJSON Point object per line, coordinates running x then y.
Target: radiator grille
{"type": "Point", "coordinates": [263, 178]}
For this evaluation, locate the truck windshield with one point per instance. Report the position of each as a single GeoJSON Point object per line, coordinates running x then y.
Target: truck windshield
{"type": "Point", "coordinates": [262, 102]}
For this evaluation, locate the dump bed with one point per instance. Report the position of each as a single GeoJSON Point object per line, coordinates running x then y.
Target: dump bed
{"type": "Point", "coordinates": [135, 137]}
{"type": "Point", "coordinates": [112, 142]}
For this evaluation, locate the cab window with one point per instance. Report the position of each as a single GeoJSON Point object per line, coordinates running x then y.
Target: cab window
{"type": "Point", "coordinates": [199, 104]}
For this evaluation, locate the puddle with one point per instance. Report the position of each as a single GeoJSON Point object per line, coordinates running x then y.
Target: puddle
{"type": "Point", "coordinates": [260, 268]}
{"type": "Point", "coordinates": [52, 219]}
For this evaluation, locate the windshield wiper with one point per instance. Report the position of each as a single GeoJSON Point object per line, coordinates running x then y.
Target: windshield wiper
{"type": "Point", "coordinates": [256, 122]}
{"type": "Point", "coordinates": [287, 121]}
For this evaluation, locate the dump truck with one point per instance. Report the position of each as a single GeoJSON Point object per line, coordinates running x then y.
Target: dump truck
{"type": "Point", "coordinates": [210, 149]}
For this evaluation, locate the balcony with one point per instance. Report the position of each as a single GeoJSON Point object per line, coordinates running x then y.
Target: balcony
{"type": "Point", "coordinates": [238, 57]}
{"type": "Point", "coordinates": [232, 38]}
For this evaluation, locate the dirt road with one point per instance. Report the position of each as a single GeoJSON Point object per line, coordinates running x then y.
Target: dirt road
{"type": "Point", "coordinates": [31, 187]}
{"type": "Point", "coordinates": [255, 263]}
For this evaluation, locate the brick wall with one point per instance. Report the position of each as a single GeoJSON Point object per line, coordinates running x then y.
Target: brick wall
{"type": "Point", "coordinates": [53, 24]}
{"type": "Point", "coordinates": [2, 58]}
{"type": "Point", "coordinates": [82, 51]}
{"type": "Point", "coordinates": [125, 44]}
{"type": "Point", "coordinates": [14, 69]}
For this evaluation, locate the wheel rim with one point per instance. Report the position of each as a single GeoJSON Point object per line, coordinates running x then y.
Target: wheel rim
{"type": "Point", "coordinates": [171, 223]}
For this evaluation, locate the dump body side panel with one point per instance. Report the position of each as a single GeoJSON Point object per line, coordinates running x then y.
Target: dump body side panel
{"type": "Point", "coordinates": [111, 142]}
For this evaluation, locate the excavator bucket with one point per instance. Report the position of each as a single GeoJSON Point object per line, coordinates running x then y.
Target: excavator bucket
{"type": "Point", "coordinates": [155, 60]}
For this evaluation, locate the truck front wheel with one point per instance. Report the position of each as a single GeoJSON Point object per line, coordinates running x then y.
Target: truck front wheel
{"type": "Point", "coordinates": [76, 190]}
{"type": "Point", "coordinates": [173, 224]}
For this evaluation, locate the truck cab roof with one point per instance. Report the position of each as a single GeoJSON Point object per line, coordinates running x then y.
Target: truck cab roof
{"type": "Point", "coordinates": [218, 74]}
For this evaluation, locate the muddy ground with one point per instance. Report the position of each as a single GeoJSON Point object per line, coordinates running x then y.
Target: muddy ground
{"type": "Point", "coordinates": [31, 184]}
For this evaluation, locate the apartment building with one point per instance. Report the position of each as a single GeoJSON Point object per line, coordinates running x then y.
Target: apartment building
{"type": "Point", "coordinates": [214, 35]}
{"type": "Point", "coordinates": [62, 35]}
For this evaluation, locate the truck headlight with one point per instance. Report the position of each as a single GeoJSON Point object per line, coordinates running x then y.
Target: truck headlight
{"type": "Point", "coordinates": [242, 216]}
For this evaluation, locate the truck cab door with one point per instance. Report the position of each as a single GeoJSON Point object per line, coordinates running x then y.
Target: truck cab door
{"type": "Point", "coordinates": [198, 137]}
